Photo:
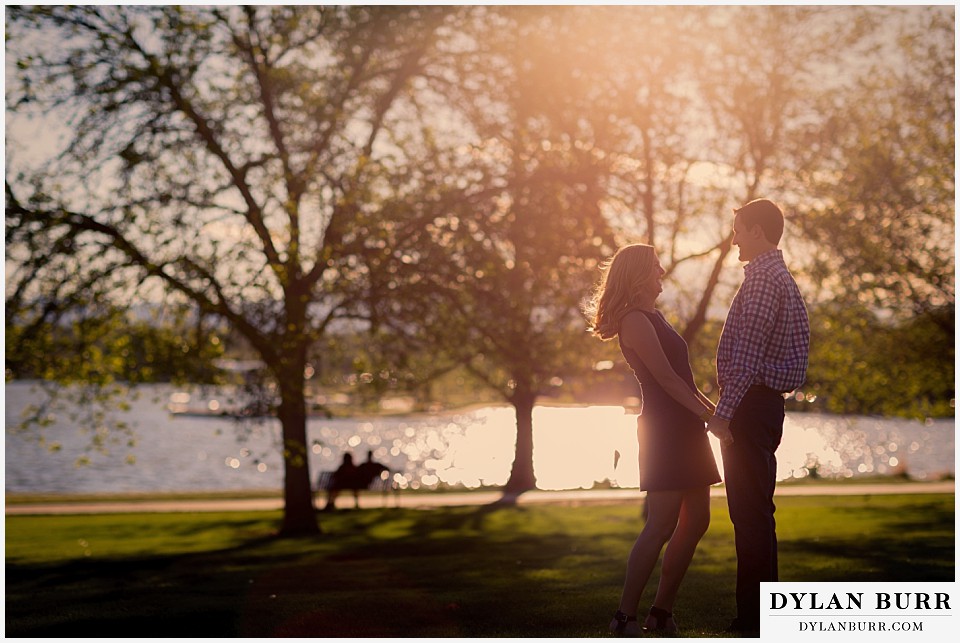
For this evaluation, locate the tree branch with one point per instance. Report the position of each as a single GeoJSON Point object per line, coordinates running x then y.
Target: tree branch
{"type": "Point", "coordinates": [85, 222]}
{"type": "Point", "coordinates": [253, 214]}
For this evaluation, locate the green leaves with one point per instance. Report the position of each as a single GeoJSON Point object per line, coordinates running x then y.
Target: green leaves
{"type": "Point", "coordinates": [449, 178]}
{"type": "Point", "coordinates": [860, 364]}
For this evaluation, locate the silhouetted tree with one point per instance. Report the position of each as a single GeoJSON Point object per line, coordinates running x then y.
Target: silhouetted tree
{"type": "Point", "coordinates": [219, 154]}
{"type": "Point", "coordinates": [513, 230]}
{"type": "Point", "coordinates": [881, 175]}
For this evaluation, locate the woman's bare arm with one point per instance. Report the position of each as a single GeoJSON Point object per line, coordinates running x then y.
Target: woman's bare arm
{"type": "Point", "coordinates": [639, 334]}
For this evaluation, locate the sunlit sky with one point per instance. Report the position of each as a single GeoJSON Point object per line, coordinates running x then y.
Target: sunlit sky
{"type": "Point", "coordinates": [33, 139]}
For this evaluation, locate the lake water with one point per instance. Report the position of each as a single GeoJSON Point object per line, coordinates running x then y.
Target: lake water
{"type": "Point", "coordinates": [574, 447]}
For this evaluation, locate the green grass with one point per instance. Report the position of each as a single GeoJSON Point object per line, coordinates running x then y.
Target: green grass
{"type": "Point", "coordinates": [533, 570]}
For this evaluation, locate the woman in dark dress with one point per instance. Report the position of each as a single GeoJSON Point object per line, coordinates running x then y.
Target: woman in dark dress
{"type": "Point", "coordinates": [677, 465]}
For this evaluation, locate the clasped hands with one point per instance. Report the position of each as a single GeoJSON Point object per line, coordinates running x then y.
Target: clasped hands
{"type": "Point", "coordinates": [720, 428]}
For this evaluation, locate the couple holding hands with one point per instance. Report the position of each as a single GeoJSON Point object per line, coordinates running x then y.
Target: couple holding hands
{"type": "Point", "coordinates": [762, 354]}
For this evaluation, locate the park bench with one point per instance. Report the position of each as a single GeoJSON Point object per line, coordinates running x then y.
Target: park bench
{"type": "Point", "coordinates": [383, 484]}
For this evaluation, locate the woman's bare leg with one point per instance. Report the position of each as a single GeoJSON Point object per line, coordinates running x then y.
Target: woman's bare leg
{"type": "Point", "coordinates": [692, 525]}
{"type": "Point", "coordinates": [663, 512]}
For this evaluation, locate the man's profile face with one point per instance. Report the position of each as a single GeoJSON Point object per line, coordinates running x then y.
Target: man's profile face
{"type": "Point", "coordinates": [748, 240]}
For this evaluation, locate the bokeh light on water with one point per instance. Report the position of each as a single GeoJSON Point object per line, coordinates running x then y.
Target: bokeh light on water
{"type": "Point", "coordinates": [574, 447]}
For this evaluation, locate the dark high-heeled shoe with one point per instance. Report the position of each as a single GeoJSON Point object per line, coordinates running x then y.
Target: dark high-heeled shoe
{"type": "Point", "coordinates": [623, 625]}
{"type": "Point", "coordinates": [660, 621]}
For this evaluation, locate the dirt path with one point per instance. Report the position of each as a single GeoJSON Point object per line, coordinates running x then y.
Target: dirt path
{"type": "Point", "coordinates": [431, 500]}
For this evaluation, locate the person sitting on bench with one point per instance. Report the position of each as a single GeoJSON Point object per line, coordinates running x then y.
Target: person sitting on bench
{"type": "Point", "coordinates": [369, 471]}
{"type": "Point", "coordinates": [343, 478]}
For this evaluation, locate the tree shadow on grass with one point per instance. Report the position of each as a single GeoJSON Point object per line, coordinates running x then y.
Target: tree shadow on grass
{"type": "Point", "coordinates": [441, 575]}
{"type": "Point", "coordinates": [135, 595]}
{"type": "Point", "coordinates": [488, 571]}
{"type": "Point", "coordinates": [436, 574]}
{"type": "Point", "coordinates": [546, 584]}
{"type": "Point", "coordinates": [920, 548]}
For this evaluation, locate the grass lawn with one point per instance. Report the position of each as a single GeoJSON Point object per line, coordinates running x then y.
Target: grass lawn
{"type": "Point", "coordinates": [529, 571]}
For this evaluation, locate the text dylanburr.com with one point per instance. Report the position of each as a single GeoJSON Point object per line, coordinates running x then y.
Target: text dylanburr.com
{"type": "Point", "coordinates": [845, 611]}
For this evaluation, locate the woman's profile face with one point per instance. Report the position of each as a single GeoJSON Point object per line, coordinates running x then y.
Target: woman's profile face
{"type": "Point", "coordinates": [653, 284]}
{"type": "Point", "coordinates": [660, 272]}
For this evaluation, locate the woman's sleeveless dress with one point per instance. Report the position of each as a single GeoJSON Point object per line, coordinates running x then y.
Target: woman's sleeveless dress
{"type": "Point", "coordinates": [675, 452]}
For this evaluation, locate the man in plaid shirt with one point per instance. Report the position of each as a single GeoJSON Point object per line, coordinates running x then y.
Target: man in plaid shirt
{"type": "Point", "coordinates": [762, 355]}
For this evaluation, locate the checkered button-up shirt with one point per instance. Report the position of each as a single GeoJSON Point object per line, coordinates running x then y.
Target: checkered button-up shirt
{"type": "Point", "coordinates": [766, 338]}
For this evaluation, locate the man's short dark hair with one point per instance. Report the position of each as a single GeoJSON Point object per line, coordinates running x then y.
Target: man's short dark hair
{"type": "Point", "coordinates": [766, 214]}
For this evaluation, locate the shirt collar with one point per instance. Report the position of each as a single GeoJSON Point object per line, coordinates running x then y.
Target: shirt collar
{"type": "Point", "coordinates": [768, 258]}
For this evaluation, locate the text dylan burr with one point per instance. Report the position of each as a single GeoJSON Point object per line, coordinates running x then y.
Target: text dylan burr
{"type": "Point", "coordinates": [855, 601]}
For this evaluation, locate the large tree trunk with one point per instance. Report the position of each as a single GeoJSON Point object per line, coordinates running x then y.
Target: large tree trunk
{"type": "Point", "coordinates": [521, 476]}
{"type": "Point", "coordinates": [299, 517]}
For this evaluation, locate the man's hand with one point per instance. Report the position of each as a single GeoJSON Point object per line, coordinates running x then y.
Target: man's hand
{"type": "Point", "coordinates": [720, 428]}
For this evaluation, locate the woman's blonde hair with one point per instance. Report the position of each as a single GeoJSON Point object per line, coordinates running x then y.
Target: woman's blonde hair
{"type": "Point", "coordinates": [624, 276]}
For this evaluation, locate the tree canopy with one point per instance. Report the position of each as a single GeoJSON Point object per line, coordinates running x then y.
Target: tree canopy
{"type": "Point", "coordinates": [447, 180]}
{"type": "Point", "coordinates": [218, 155]}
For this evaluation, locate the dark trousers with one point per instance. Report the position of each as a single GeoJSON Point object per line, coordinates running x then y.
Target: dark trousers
{"type": "Point", "coordinates": [750, 474]}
